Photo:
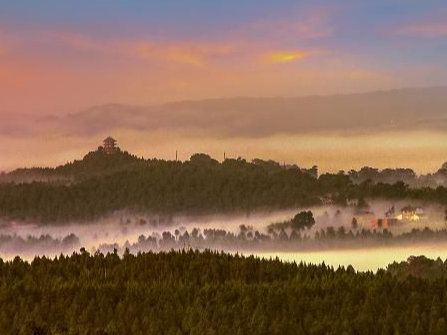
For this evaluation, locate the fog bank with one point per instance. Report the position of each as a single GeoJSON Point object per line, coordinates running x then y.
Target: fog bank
{"type": "Point", "coordinates": [125, 229]}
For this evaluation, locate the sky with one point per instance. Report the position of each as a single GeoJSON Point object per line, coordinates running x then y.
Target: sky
{"type": "Point", "coordinates": [59, 57]}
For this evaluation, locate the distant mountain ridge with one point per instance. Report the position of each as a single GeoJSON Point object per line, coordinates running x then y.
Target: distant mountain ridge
{"type": "Point", "coordinates": [413, 108]}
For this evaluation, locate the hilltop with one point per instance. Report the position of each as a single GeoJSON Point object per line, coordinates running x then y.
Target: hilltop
{"type": "Point", "coordinates": [105, 182]}
{"type": "Point", "coordinates": [93, 164]}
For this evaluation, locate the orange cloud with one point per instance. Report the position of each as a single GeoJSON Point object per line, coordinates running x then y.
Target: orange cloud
{"type": "Point", "coordinates": [190, 53]}
{"type": "Point", "coordinates": [72, 71]}
{"type": "Point", "coordinates": [285, 57]}
{"type": "Point", "coordinates": [244, 43]}
{"type": "Point", "coordinates": [428, 30]}
{"type": "Point", "coordinates": [195, 54]}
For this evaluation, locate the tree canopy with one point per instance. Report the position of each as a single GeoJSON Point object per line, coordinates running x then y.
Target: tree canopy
{"type": "Point", "coordinates": [189, 292]}
{"type": "Point", "coordinates": [101, 184]}
{"type": "Point", "coordinates": [303, 220]}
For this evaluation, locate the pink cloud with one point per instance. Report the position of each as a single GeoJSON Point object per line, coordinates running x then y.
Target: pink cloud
{"type": "Point", "coordinates": [428, 30]}
{"type": "Point", "coordinates": [193, 53]}
{"type": "Point", "coordinates": [313, 26]}
{"type": "Point", "coordinates": [190, 53]}
{"type": "Point", "coordinates": [250, 41]}
{"type": "Point", "coordinates": [7, 42]}
{"type": "Point", "coordinates": [73, 40]}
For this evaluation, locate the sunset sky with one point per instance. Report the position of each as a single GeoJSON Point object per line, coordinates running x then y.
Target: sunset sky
{"type": "Point", "coordinates": [58, 57]}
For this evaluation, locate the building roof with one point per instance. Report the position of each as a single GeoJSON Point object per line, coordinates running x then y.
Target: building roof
{"type": "Point", "coordinates": [110, 139]}
{"type": "Point", "coordinates": [411, 209]}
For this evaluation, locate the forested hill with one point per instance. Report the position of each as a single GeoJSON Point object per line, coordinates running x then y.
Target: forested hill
{"type": "Point", "coordinates": [99, 164]}
{"type": "Point", "coordinates": [94, 164]}
{"type": "Point", "coordinates": [200, 185]}
{"type": "Point", "coordinates": [101, 184]}
{"type": "Point", "coordinates": [209, 293]}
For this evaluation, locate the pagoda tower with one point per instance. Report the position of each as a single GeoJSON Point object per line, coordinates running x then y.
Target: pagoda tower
{"type": "Point", "coordinates": [109, 145]}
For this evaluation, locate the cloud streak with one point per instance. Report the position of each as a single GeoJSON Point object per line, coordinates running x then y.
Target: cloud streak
{"type": "Point", "coordinates": [425, 30]}
{"type": "Point", "coordinates": [312, 26]}
{"type": "Point", "coordinates": [194, 53]}
{"type": "Point", "coordinates": [50, 67]}
{"type": "Point", "coordinates": [285, 56]}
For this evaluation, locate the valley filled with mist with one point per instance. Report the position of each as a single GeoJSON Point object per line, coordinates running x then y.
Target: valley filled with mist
{"type": "Point", "coordinates": [223, 167]}
{"type": "Point", "coordinates": [114, 201]}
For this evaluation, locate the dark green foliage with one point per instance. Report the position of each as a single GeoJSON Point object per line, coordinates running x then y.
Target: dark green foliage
{"type": "Point", "coordinates": [201, 185]}
{"type": "Point", "coordinates": [302, 220]}
{"type": "Point", "coordinates": [419, 266]}
{"type": "Point", "coordinates": [247, 239]}
{"type": "Point", "coordinates": [354, 223]}
{"type": "Point", "coordinates": [209, 293]}
{"type": "Point", "coordinates": [96, 163]}
{"type": "Point", "coordinates": [281, 240]}
{"type": "Point", "coordinates": [101, 184]}
{"type": "Point", "coordinates": [386, 176]}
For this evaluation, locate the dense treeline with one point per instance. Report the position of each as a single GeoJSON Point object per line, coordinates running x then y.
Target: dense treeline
{"type": "Point", "coordinates": [209, 293]}
{"type": "Point", "coordinates": [43, 244]}
{"type": "Point", "coordinates": [248, 239]}
{"type": "Point", "coordinates": [408, 176]}
{"type": "Point", "coordinates": [419, 266]}
{"type": "Point", "coordinates": [197, 186]}
{"type": "Point", "coordinates": [102, 184]}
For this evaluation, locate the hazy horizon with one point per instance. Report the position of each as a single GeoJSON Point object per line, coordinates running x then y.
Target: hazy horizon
{"type": "Point", "coordinates": [166, 242]}
{"type": "Point", "coordinates": [63, 58]}
{"type": "Point", "coordinates": [339, 85]}
{"type": "Point", "coordinates": [397, 128]}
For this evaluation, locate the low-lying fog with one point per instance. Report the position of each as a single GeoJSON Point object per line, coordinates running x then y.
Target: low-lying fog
{"type": "Point", "coordinates": [362, 259]}
{"type": "Point", "coordinates": [123, 229]}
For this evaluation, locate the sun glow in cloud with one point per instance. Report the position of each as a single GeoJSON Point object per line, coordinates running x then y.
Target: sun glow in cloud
{"type": "Point", "coordinates": [195, 53]}
{"type": "Point", "coordinates": [285, 57]}
{"type": "Point", "coordinates": [148, 54]}
{"type": "Point", "coordinates": [58, 59]}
